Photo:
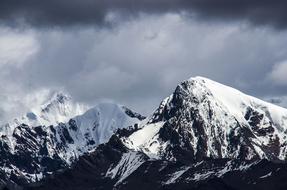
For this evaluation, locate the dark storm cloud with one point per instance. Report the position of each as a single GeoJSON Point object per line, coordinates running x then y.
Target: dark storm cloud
{"type": "Point", "coordinates": [139, 62]}
{"type": "Point", "coordinates": [78, 12]}
{"type": "Point", "coordinates": [94, 64]}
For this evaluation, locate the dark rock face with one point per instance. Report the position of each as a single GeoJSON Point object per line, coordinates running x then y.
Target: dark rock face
{"type": "Point", "coordinates": [254, 119]}
{"type": "Point", "coordinates": [30, 154]}
{"type": "Point", "coordinates": [65, 135]}
{"type": "Point", "coordinates": [209, 174]}
{"type": "Point", "coordinates": [89, 171]}
{"type": "Point", "coordinates": [73, 125]}
{"type": "Point", "coordinates": [36, 152]}
{"type": "Point", "coordinates": [185, 124]}
{"type": "Point", "coordinates": [133, 114]}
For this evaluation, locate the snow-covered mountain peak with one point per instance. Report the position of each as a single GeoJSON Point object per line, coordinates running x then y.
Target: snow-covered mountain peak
{"type": "Point", "coordinates": [101, 121]}
{"type": "Point", "coordinates": [56, 98]}
{"type": "Point", "coordinates": [59, 108]}
{"type": "Point", "coordinates": [62, 136]}
{"type": "Point", "coordinates": [203, 118]}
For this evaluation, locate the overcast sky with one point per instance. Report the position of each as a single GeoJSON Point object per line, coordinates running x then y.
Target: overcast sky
{"type": "Point", "coordinates": [136, 52]}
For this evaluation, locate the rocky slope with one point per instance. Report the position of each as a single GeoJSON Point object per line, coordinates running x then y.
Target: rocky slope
{"type": "Point", "coordinates": [113, 166]}
{"type": "Point", "coordinates": [41, 143]}
{"type": "Point", "coordinates": [203, 136]}
{"type": "Point", "coordinates": [203, 118]}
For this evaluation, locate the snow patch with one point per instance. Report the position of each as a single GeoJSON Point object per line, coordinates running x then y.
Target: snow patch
{"type": "Point", "coordinates": [127, 165]}
{"type": "Point", "coordinates": [176, 175]}
{"type": "Point", "coordinates": [267, 175]}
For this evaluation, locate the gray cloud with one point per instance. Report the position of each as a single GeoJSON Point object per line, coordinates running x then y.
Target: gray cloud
{"type": "Point", "coordinates": [97, 12]}
{"type": "Point", "coordinates": [140, 62]}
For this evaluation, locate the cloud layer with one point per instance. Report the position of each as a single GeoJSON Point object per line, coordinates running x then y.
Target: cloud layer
{"type": "Point", "coordinates": [151, 46]}
{"type": "Point", "coordinates": [98, 12]}
{"type": "Point", "coordinates": [140, 62]}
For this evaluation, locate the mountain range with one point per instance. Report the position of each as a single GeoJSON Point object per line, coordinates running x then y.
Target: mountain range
{"type": "Point", "coordinates": [205, 135]}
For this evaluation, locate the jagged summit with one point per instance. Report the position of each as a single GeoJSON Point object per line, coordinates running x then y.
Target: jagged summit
{"type": "Point", "coordinates": [56, 98]}
{"type": "Point", "coordinates": [59, 108]}
{"type": "Point", "coordinates": [205, 119]}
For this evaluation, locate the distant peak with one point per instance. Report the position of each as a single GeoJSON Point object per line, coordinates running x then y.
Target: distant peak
{"type": "Point", "coordinates": [58, 97]}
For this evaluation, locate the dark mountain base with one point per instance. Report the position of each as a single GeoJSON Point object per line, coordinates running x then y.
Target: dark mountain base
{"type": "Point", "coordinates": [90, 173]}
{"type": "Point", "coordinates": [149, 176]}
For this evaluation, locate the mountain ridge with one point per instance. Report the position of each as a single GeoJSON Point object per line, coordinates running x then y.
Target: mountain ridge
{"type": "Point", "coordinates": [29, 152]}
{"type": "Point", "coordinates": [203, 134]}
{"type": "Point", "coordinates": [198, 115]}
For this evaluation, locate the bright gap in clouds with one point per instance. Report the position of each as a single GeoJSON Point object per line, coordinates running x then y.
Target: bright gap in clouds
{"type": "Point", "coordinates": [16, 47]}
{"type": "Point", "coordinates": [137, 63]}
{"type": "Point", "coordinates": [279, 73]}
